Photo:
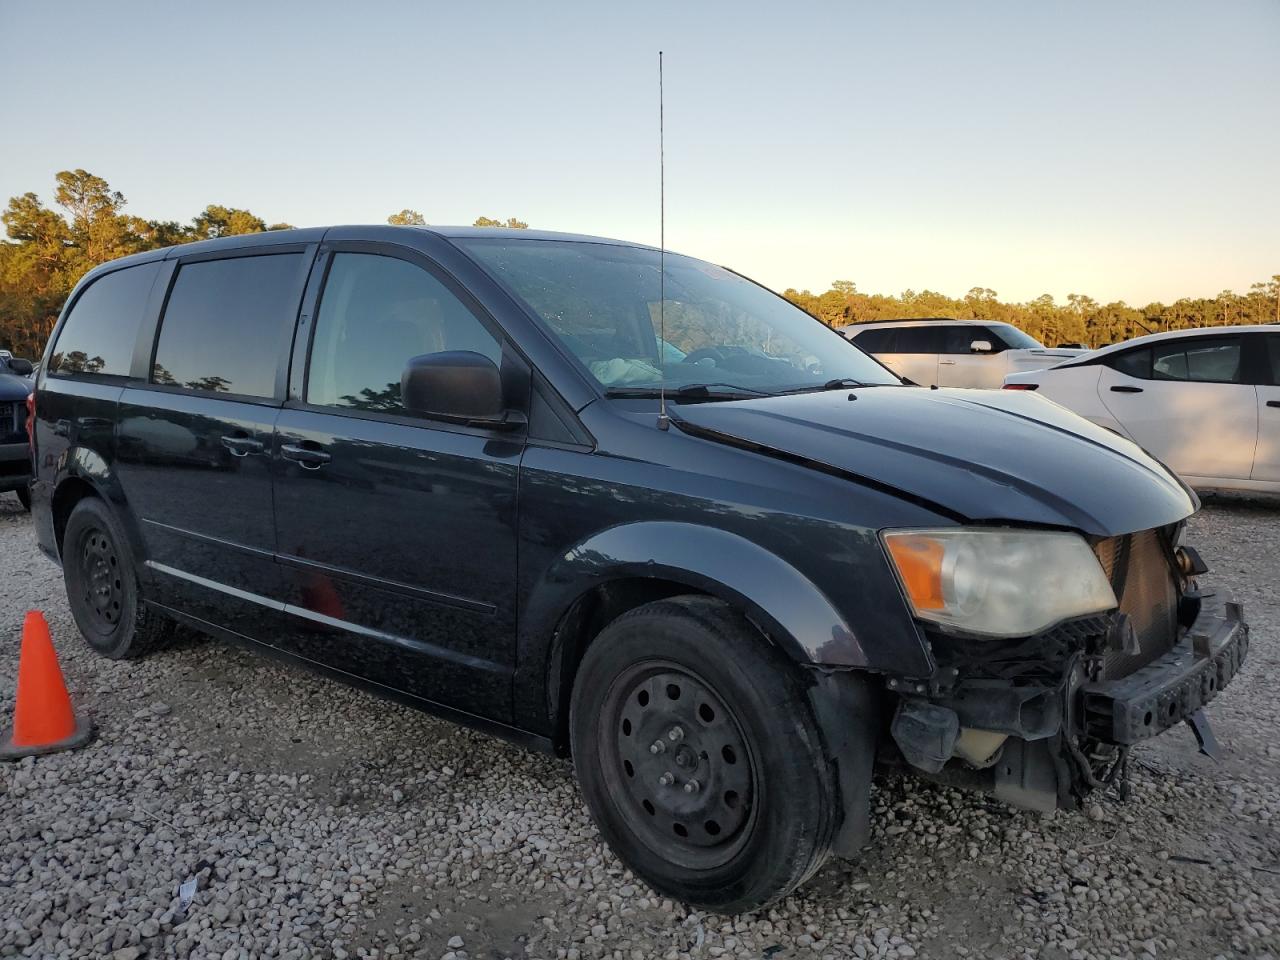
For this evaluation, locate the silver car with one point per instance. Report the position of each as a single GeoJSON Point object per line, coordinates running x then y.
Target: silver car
{"type": "Point", "coordinates": [955, 353]}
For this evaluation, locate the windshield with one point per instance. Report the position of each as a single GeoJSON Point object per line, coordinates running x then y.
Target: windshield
{"type": "Point", "coordinates": [721, 331]}
{"type": "Point", "coordinates": [1015, 338]}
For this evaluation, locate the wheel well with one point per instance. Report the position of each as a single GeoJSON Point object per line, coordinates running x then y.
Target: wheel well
{"type": "Point", "coordinates": [70, 492]}
{"type": "Point", "coordinates": [590, 614]}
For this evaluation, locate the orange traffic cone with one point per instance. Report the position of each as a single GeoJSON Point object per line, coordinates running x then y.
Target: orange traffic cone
{"type": "Point", "coordinates": [43, 721]}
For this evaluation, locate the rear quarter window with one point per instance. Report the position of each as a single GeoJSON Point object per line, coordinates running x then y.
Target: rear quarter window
{"type": "Point", "coordinates": [98, 334]}
{"type": "Point", "coordinates": [227, 322]}
{"type": "Point", "coordinates": [1132, 363]}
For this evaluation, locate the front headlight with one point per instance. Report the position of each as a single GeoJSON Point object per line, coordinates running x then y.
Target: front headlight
{"type": "Point", "coordinates": [998, 582]}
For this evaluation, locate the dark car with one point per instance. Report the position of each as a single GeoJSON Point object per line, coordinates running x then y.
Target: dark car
{"type": "Point", "coordinates": [16, 385]}
{"type": "Point", "coordinates": [699, 542]}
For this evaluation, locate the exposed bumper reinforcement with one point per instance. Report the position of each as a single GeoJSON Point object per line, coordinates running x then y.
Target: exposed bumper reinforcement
{"type": "Point", "coordinates": [1171, 688]}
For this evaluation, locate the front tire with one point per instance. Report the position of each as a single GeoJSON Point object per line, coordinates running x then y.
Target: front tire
{"type": "Point", "coordinates": [102, 586]}
{"type": "Point", "coordinates": [24, 497]}
{"type": "Point", "coordinates": [699, 757]}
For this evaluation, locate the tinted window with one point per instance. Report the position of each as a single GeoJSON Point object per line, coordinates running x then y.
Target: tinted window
{"type": "Point", "coordinates": [919, 340]}
{"type": "Point", "coordinates": [375, 314]}
{"type": "Point", "coordinates": [876, 341]}
{"type": "Point", "coordinates": [100, 331]}
{"type": "Point", "coordinates": [960, 339]}
{"type": "Point", "coordinates": [1199, 359]}
{"type": "Point", "coordinates": [1133, 363]}
{"type": "Point", "coordinates": [226, 323]}
{"type": "Point", "coordinates": [1273, 352]}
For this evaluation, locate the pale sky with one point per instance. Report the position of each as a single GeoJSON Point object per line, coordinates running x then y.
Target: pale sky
{"type": "Point", "coordinates": [1124, 150]}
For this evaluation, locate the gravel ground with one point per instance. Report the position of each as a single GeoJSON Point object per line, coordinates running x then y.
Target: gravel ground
{"type": "Point", "coordinates": [320, 821]}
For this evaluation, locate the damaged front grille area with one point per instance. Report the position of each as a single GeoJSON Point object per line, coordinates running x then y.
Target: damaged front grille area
{"type": "Point", "coordinates": [1141, 574]}
{"type": "Point", "coordinates": [1042, 659]}
{"type": "Point", "coordinates": [1111, 645]}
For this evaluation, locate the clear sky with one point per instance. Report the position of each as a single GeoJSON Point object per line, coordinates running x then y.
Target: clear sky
{"type": "Point", "coordinates": [1127, 150]}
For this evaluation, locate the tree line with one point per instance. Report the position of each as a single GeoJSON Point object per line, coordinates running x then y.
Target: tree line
{"type": "Point", "coordinates": [1080, 320]}
{"type": "Point", "coordinates": [50, 248]}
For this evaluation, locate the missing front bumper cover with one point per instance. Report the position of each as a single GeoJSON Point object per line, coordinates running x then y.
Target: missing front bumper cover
{"type": "Point", "coordinates": [1173, 687]}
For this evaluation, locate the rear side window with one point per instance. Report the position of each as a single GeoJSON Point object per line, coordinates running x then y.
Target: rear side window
{"type": "Point", "coordinates": [876, 341]}
{"type": "Point", "coordinates": [226, 323]}
{"type": "Point", "coordinates": [1201, 360]}
{"type": "Point", "coordinates": [1273, 354]}
{"type": "Point", "coordinates": [1132, 363]}
{"type": "Point", "coordinates": [375, 314]}
{"type": "Point", "coordinates": [100, 331]}
{"type": "Point", "coordinates": [918, 340]}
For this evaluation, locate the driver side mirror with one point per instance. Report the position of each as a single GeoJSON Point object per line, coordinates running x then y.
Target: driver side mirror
{"type": "Point", "coordinates": [980, 346]}
{"type": "Point", "coordinates": [21, 367]}
{"type": "Point", "coordinates": [459, 386]}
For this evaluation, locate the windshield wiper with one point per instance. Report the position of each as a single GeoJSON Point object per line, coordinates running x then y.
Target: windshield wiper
{"type": "Point", "coordinates": [840, 383]}
{"type": "Point", "coordinates": [692, 392]}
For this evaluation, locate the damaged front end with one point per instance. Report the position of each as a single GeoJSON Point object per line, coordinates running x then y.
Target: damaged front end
{"type": "Point", "coordinates": [1040, 721]}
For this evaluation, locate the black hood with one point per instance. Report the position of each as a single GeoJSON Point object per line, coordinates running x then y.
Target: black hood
{"type": "Point", "coordinates": [978, 455]}
{"type": "Point", "coordinates": [14, 387]}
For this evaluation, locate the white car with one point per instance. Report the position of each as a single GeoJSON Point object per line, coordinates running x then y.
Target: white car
{"type": "Point", "coordinates": [1205, 402]}
{"type": "Point", "coordinates": [954, 353]}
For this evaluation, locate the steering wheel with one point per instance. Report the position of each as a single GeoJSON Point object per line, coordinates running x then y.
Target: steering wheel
{"type": "Point", "coordinates": [705, 353]}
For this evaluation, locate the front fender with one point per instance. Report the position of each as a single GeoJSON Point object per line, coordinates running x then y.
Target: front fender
{"type": "Point", "coordinates": [773, 594]}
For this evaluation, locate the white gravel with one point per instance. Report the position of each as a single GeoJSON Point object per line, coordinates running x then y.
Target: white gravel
{"type": "Point", "coordinates": [322, 822]}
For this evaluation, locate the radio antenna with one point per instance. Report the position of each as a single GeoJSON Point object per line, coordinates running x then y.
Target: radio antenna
{"type": "Point", "coordinates": [663, 421]}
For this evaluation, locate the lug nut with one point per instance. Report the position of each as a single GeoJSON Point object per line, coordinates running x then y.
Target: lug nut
{"type": "Point", "coordinates": [692, 786]}
{"type": "Point", "coordinates": [676, 734]}
{"type": "Point", "coordinates": [657, 746]}
{"type": "Point", "coordinates": [667, 779]}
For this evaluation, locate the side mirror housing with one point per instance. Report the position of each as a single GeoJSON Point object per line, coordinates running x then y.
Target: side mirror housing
{"type": "Point", "coordinates": [980, 346]}
{"type": "Point", "coordinates": [21, 367]}
{"type": "Point", "coordinates": [460, 386]}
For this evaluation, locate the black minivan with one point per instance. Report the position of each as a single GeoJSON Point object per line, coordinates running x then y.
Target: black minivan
{"type": "Point", "coordinates": [624, 506]}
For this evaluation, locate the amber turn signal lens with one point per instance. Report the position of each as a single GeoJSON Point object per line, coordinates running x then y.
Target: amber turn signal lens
{"type": "Point", "coordinates": [919, 562]}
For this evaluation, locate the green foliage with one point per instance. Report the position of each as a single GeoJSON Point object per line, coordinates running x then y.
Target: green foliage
{"type": "Point", "coordinates": [407, 218]}
{"type": "Point", "coordinates": [1080, 320]}
{"type": "Point", "coordinates": [511, 223]}
{"type": "Point", "coordinates": [49, 251]}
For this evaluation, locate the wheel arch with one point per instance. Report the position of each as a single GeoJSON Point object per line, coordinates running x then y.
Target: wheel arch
{"type": "Point", "coordinates": [85, 473]}
{"type": "Point", "coordinates": [618, 569]}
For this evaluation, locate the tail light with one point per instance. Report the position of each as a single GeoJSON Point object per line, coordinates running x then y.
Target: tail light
{"type": "Point", "coordinates": [31, 426]}
{"type": "Point", "coordinates": [1022, 386]}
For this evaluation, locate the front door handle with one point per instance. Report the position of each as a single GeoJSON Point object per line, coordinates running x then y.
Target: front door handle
{"type": "Point", "coordinates": [1126, 389]}
{"type": "Point", "coordinates": [1273, 403]}
{"type": "Point", "coordinates": [311, 457]}
{"type": "Point", "coordinates": [241, 444]}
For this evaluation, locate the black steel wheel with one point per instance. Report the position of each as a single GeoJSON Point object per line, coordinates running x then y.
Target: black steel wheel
{"type": "Point", "coordinates": [678, 755]}
{"type": "Point", "coordinates": [102, 586]}
{"type": "Point", "coordinates": [699, 757]}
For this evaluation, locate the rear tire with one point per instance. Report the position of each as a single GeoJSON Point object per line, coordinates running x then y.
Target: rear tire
{"type": "Point", "coordinates": [24, 497]}
{"type": "Point", "coordinates": [683, 692]}
{"type": "Point", "coordinates": [102, 586]}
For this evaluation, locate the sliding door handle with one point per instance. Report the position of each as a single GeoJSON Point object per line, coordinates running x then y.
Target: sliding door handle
{"type": "Point", "coordinates": [1273, 403]}
{"type": "Point", "coordinates": [1126, 389]}
{"type": "Point", "coordinates": [311, 457]}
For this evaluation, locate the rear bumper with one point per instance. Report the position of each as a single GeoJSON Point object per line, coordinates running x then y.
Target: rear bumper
{"type": "Point", "coordinates": [1171, 688]}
